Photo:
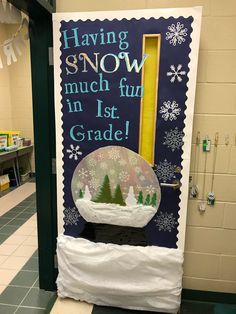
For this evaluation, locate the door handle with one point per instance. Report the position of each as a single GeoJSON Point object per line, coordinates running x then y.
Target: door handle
{"type": "Point", "coordinates": [174, 185]}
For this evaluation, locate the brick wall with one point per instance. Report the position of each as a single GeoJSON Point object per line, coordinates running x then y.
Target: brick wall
{"type": "Point", "coordinates": [210, 253]}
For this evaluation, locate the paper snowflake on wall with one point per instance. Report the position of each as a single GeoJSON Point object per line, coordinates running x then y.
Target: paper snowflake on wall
{"type": "Point", "coordinates": [71, 216]}
{"type": "Point", "coordinates": [176, 73]}
{"type": "Point", "coordinates": [173, 139]}
{"type": "Point", "coordinates": [165, 171]}
{"type": "Point", "coordinates": [74, 152]}
{"type": "Point", "coordinates": [165, 222]}
{"type": "Point", "coordinates": [176, 34]}
{"type": "Point", "coordinates": [170, 110]}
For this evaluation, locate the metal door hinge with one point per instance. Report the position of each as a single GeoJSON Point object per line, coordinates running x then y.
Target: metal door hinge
{"type": "Point", "coordinates": [50, 56]}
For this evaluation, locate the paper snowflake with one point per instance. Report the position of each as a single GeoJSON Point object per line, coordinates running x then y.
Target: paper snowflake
{"type": "Point", "coordinates": [165, 171]}
{"type": "Point", "coordinates": [82, 173]}
{"type": "Point", "coordinates": [124, 176]}
{"type": "Point", "coordinates": [114, 154]}
{"type": "Point", "coordinates": [137, 170]}
{"type": "Point", "coordinates": [71, 216]}
{"type": "Point", "coordinates": [100, 156]}
{"type": "Point", "coordinates": [150, 189]}
{"type": "Point", "coordinates": [165, 221]}
{"type": "Point", "coordinates": [94, 183]}
{"type": "Point", "coordinates": [74, 152]}
{"type": "Point", "coordinates": [92, 162]}
{"type": "Point", "coordinates": [80, 185]}
{"type": "Point", "coordinates": [170, 110]}
{"type": "Point", "coordinates": [176, 73]}
{"type": "Point", "coordinates": [133, 160]}
{"type": "Point", "coordinates": [176, 34]}
{"type": "Point", "coordinates": [92, 173]}
{"type": "Point", "coordinates": [173, 139]}
{"type": "Point", "coordinates": [142, 178]}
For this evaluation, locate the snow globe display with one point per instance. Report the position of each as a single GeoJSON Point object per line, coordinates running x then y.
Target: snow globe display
{"type": "Point", "coordinates": [114, 186]}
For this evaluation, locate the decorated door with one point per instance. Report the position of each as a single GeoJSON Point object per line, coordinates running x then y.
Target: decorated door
{"type": "Point", "coordinates": [124, 88]}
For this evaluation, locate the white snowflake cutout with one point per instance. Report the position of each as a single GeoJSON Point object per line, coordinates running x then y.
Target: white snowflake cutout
{"type": "Point", "coordinates": [176, 34]}
{"type": "Point", "coordinates": [82, 173]}
{"type": "Point", "coordinates": [74, 152]}
{"type": "Point", "coordinates": [176, 73]}
{"type": "Point", "coordinates": [170, 110]}
{"type": "Point", "coordinates": [173, 139]}
{"type": "Point", "coordinates": [71, 216]}
{"type": "Point", "coordinates": [114, 154]}
{"type": "Point", "coordinates": [133, 160]}
{"type": "Point", "coordinates": [92, 162]}
{"type": "Point", "coordinates": [165, 221]}
{"type": "Point", "coordinates": [94, 183]}
{"type": "Point", "coordinates": [124, 176]}
{"type": "Point", "coordinates": [165, 171]}
{"type": "Point", "coordinates": [150, 189]}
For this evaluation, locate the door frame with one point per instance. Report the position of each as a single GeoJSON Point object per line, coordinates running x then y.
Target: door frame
{"type": "Point", "coordinates": [40, 32]}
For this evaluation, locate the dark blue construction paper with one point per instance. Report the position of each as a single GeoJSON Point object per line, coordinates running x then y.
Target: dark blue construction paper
{"type": "Point", "coordinates": [129, 110]}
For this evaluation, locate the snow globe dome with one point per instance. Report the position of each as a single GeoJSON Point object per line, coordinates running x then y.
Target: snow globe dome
{"type": "Point", "coordinates": [114, 185]}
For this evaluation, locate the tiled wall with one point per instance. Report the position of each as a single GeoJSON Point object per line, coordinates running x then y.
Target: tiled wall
{"type": "Point", "coordinates": [15, 90]}
{"type": "Point", "coordinates": [210, 257]}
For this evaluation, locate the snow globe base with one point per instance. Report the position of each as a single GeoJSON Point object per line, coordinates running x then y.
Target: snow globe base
{"type": "Point", "coordinates": [120, 235]}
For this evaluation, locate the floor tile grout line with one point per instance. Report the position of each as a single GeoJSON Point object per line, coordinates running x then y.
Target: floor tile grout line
{"type": "Point", "coordinates": [16, 231]}
{"type": "Point", "coordinates": [26, 295]}
{"type": "Point", "coordinates": [24, 306]}
{"type": "Point", "coordinates": [16, 215]}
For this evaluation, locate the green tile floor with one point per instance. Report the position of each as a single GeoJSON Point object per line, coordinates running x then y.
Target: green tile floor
{"type": "Point", "coordinates": [23, 295]}
{"type": "Point", "coordinates": [16, 217]}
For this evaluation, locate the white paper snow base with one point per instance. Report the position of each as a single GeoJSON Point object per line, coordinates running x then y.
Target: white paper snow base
{"type": "Point", "coordinates": [132, 277]}
{"type": "Point", "coordinates": [113, 214]}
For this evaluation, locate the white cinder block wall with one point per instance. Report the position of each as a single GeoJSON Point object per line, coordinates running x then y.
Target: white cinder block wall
{"type": "Point", "coordinates": [210, 254]}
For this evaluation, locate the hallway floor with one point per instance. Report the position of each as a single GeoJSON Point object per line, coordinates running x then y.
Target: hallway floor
{"type": "Point", "coordinates": [19, 291]}
{"type": "Point", "coordinates": [18, 255]}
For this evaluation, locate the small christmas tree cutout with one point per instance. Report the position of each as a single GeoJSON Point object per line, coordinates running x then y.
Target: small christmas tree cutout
{"type": "Point", "coordinates": [104, 195]}
{"type": "Point", "coordinates": [118, 197]}
{"type": "Point", "coordinates": [154, 200]}
{"type": "Point", "coordinates": [147, 200]}
{"type": "Point", "coordinates": [140, 198]}
{"type": "Point", "coordinates": [81, 194]}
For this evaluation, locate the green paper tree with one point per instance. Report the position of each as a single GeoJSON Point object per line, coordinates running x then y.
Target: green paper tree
{"type": "Point", "coordinates": [147, 200]}
{"type": "Point", "coordinates": [118, 197]}
{"type": "Point", "coordinates": [154, 199]}
{"type": "Point", "coordinates": [81, 195]}
{"type": "Point", "coordinates": [104, 195]}
{"type": "Point", "coordinates": [140, 198]}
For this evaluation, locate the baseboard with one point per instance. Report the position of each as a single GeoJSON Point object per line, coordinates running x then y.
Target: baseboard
{"type": "Point", "coordinates": [209, 296]}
